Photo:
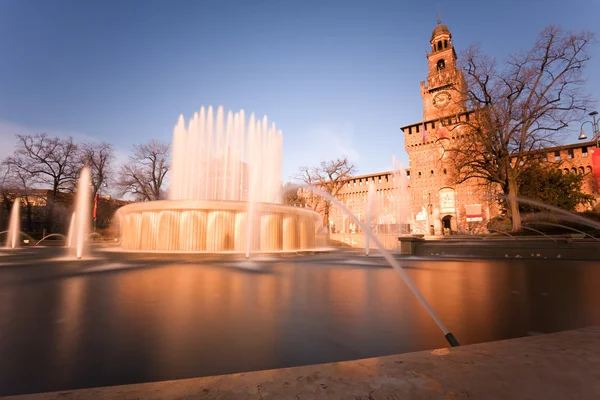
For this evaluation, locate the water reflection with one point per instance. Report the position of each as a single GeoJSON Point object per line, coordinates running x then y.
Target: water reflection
{"type": "Point", "coordinates": [187, 320]}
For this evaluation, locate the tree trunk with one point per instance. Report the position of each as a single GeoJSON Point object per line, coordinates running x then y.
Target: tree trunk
{"type": "Point", "coordinates": [513, 205]}
{"type": "Point", "coordinates": [326, 218]}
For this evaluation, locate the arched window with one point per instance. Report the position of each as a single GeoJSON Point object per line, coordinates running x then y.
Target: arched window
{"type": "Point", "coordinates": [445, 44]}
{"type": "Point", "coordinates": [441, 64]}
{"type": "Point", "coordinates": [589, 169]}
{"type": "Point", "coordinates": [439, 45]}
{"type": "Point", "coordinates": [581, 171]}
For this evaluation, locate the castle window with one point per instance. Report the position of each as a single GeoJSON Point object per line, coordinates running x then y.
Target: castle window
{"type": "Point", "coordinates": [439, 45]}
{"type": "Point", "coordinates": [445, 44]}
{"type": "Point", "coordinates": [445, 172]}
{"type": "Point", "coordinates": [557, 155]}
{"type": "Point", "coordinates": [584, 151]}
{"type": "Point", "coordinates": [570, 154]}
{"type": "Point", "coordinates": [419, 174]}
{"type": "Point", "coordinates": [407, 175]}
{"type": "Point", "coordinates": [431, 172]}
{"type": "Point", "coordinates": [441, 64]}
{"type": "Point", "coordinates": [581, 170]}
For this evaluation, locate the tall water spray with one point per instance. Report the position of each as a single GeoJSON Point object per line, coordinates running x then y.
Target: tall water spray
{"type": "Point", "coordinates": [370, 214]}
{"type": "Point", "coordinates": [401, 205]}
{"type": "Point", "coordinates": [225, 193]}
{"type": "Point", "coordinates": [213, 159]}
{"type": "Point", "coordinates": [81, 220]}
{"type": "Point", "coordinates": [14, 225]}
{"type": "Point", "coordinates": [70, 242]}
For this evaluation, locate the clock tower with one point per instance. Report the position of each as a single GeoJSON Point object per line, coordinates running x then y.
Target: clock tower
{"type": "Point", "coordinates": [443, 91]}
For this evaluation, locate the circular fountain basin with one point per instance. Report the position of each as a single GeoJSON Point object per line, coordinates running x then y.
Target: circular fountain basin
{"type": "Point", "coordinates": [215, 226]}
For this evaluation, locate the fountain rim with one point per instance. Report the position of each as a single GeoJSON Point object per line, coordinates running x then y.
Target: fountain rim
{"type": "Point", "coordinates": [213, 205]}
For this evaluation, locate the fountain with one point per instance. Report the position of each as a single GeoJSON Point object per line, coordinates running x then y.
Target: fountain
{"type": "Point", "coordinates": [224, 195]}
{"type": "Point", "coordinates": [400, 199]}
{"type": "Point", "coordinates": [14, 225]}
{"type": "Point", "coordinates": [81, 221]}
{"type": "Point", "coordinates": [370, 214]}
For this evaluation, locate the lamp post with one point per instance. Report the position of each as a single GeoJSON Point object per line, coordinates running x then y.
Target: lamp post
{"type": "Point", "coordinates": [595, 129]}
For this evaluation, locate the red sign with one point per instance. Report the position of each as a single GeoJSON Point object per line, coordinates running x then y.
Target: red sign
{"type": "Point", "coordinates": [596, 166]}
{"type": "Point", "coordinates": [596, 162]}
{"type": "Point", "coordinates": [95, 205]}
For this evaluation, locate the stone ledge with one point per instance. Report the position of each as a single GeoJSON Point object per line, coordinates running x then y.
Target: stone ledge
{"type": "Point", "coordinates": [564, 365]}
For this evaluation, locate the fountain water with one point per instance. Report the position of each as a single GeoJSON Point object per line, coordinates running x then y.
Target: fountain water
{"type": "Point", "coordinates": [370, 214]}
{"type": "Point", "coordinates": [71, 230]}
{"type": "Point", "coordinates": [14, 225]}
{"type": "Point", "coordinates": [81, 220]}
{"type": "Point", "coordinates": [400, 197]}
{"type": "Point", "coordinates": [224, 195]}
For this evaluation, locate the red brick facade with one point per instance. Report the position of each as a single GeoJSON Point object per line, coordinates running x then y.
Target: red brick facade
{"type": "Point", "coordinates": [433, 204]}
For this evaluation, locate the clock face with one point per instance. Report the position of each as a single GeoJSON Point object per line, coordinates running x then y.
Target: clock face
{"type": "Point", "coordinates": [442, 99]}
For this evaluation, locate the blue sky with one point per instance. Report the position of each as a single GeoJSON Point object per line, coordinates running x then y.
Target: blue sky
{"type": "Point", "coordinates": [337, 77]}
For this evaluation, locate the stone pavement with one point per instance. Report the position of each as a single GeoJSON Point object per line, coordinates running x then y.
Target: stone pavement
{"type": "Point", "coordinates": [563, 365]}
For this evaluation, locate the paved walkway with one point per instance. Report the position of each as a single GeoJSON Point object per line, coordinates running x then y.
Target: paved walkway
{"type": "Point", "coordinates": [563, 365]}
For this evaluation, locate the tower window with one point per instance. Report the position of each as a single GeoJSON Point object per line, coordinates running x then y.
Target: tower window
{"type": "Point", "coordinates": [445, 44]}
{"type": "Point", "coordinates": [439, 45]}
{"type": "Point", "coordinates": [441, 64]}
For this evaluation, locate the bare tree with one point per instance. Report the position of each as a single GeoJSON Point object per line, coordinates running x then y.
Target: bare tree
{"type": "Point", "coordinates": [98, 156]}
{"type": "Point", "coordinates": [292, 197]}
{"type": "Point", "coordinates": [329, 177]}
{"type": "Point", "coordinates": [144, 174]}
{"type": "Point", "coordinates": [517, 109]}
{"type": "Point", "coordinates": [15, 183]}
{"type": "Point", "coordinates": [48, 161]}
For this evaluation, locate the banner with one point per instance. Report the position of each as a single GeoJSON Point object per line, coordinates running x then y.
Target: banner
{"type": "Point", "coordinates": [95, 205]}
{"type": "Point", "coordinates": [596, 166]}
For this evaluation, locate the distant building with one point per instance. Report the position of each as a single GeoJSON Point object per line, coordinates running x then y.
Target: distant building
{"type": "Point", "coordinates": [34, 208]}
{"type": "Point", "coordinates": [435, 204]}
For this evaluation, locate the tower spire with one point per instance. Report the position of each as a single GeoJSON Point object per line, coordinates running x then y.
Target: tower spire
{"type": "Point", "coordinates": [439, 19]}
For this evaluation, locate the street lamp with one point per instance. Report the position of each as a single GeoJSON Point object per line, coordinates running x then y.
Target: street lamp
{"type": "Point", "coordinates": [595, 129]}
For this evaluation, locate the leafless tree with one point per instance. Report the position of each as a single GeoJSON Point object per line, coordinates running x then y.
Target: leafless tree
{"type": "Point", "coordinates": [144, 174]}
{"type": "Point", "coordinates": [327, 176]}
{"type": "Point", "coordinates": [98, 156]}
{"type": "Point", "coordinates": [291, 197]}
{"type": "Point", "coordinates": [517, 108]}
{"type": "Point", "coordinates": [15, 183]}
{"type": "Point", "coordinates": [46, 161]}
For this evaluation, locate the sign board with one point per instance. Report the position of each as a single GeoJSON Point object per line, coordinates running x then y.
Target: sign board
{"type": "Point", "coordinates": [447, 204]}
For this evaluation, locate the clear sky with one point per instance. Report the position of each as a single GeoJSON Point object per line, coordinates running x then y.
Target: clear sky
{"type": "Point", "coordinates": [336, 76]}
